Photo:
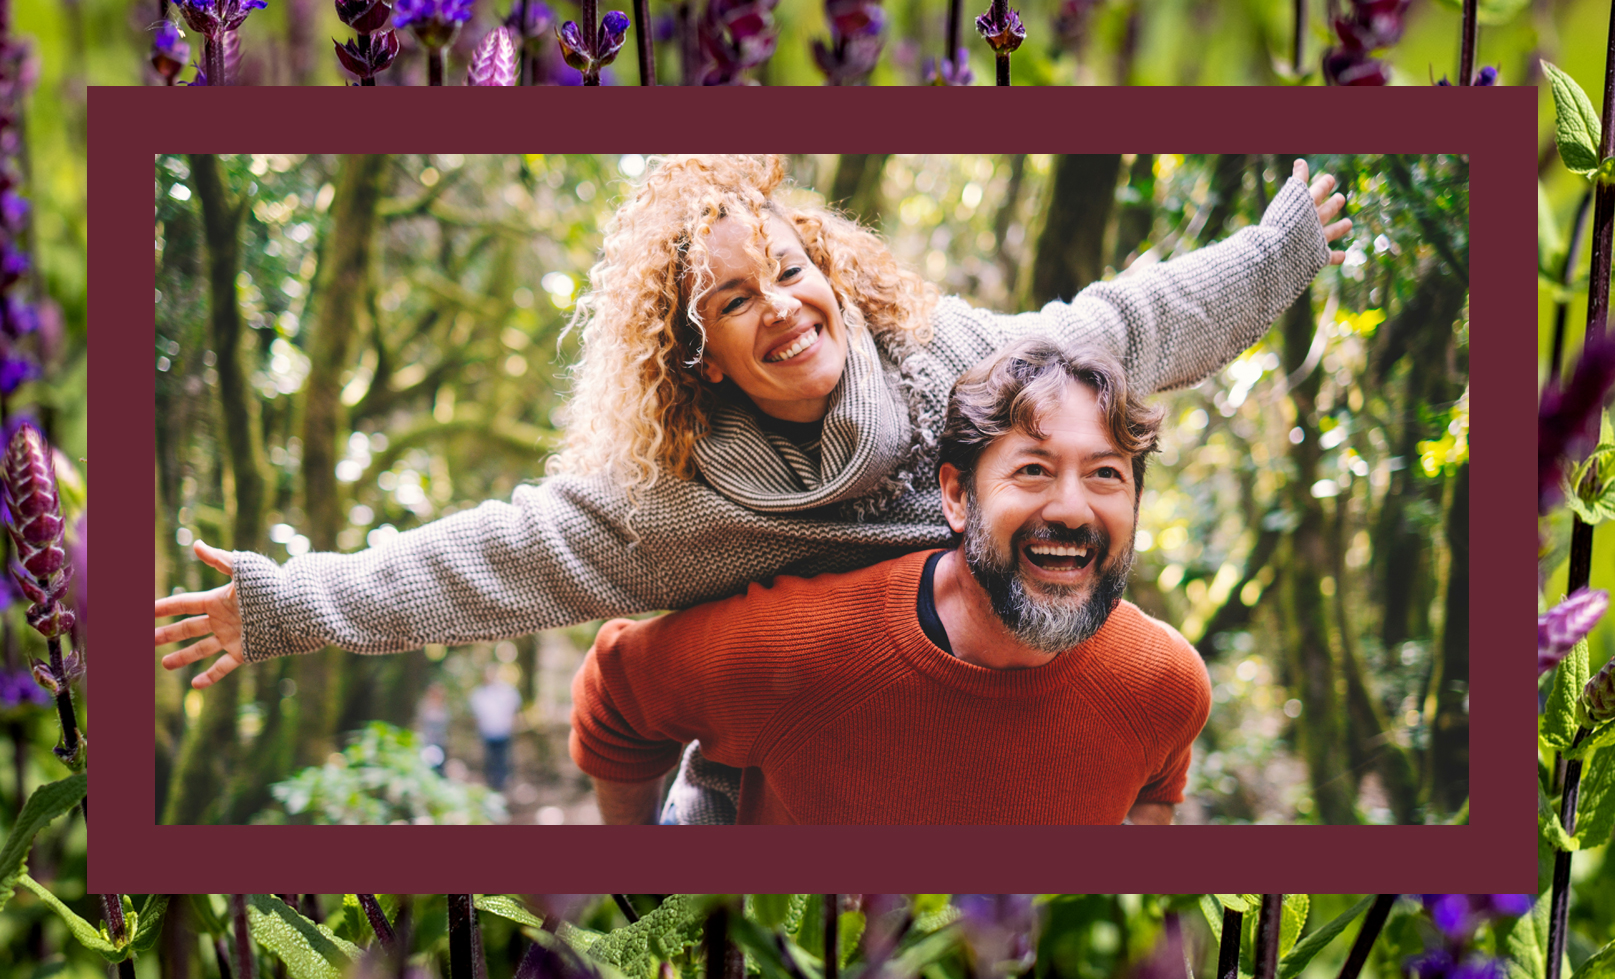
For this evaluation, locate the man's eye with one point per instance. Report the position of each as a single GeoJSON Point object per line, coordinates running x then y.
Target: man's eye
{"type": "Point", "coordinates": [1033, 469]}
{"type": "Point", "coordinates": [1109, 472]}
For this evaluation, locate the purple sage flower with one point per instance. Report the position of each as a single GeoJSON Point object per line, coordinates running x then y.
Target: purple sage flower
{"type": "Point", "coordinates": [433, 22]}
{"type": "Point", "coordinates": [19, 689]}
{"type": "Point", "coordinates": [367, 54]}
{"type": "Point", "coordinates": [735, 35]}
{"type": "Point", "coordinates": [952, 71]}
{"type": "Point", "coordinates": [1567, 417]}
{"type": "Point", "coordinates": [589, 55]}
{"type": "Point", "coordinates": [1486, 76]}
{"type": "Point", "coordinates": [1441, 963]}
{"type": "Point", "coordinates": [1597, 701]}
{"type": "Point", "coordinates": [1003, 33]}
{"type": "Point", "coordinates": [1458, 915]}
{"type": "Point", "coordinates": [214, 18]}
{"type": "Point", "coordinates": [494, 60]}
{"type": "Point", "coordinates": [856, 41]}
{"type": "Point", "coordinates": [1368, 26]}
{"type": "Point", "coordinates": [364, 16]}
{"type": "Point", "coordinates": [999, 929]}
{"type": "Point", "coordinates": [1561, 627]}
{"type": "Point", "coordinates": [169, 52]}
{"type": "Point", "coordinates": [34, 520]}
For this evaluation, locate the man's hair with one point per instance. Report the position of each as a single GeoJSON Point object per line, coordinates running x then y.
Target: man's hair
{"type": "Point", "coordinates": [1011, 389]}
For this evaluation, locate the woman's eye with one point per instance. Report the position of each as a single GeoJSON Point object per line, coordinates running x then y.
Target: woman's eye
{"type": "Point", "coordinates": [790, 273]}
{"type": "Point", "coordinates": [734, 304]}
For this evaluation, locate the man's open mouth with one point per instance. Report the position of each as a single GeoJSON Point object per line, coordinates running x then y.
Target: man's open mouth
{"type": "Point", "coordinates": [1060, 557]}
{"type": "Point", "coordinates": [802, 343]}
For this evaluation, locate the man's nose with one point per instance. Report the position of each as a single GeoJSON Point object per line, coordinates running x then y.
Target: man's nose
{"type": "Point", "coordinates": [1067, 502]}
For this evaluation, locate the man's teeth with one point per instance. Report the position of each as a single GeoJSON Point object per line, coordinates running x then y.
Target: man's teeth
{"type": "Point", "coordinates": [1056, 550]}
{"type": "Point", "coordinates": [802, 343]}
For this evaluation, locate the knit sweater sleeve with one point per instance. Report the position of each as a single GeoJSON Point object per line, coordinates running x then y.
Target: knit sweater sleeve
{"type": "Point", "coordinates": [1176, 322]}
{"type": "Point", "coordinates": [564, 551]}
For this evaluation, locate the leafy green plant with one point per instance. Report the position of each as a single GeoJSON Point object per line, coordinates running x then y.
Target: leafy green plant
{"type": "Point", "coordinates": [380, 777]}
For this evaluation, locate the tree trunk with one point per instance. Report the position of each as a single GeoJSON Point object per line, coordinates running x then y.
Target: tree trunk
{"type": "Point", "coordinates": [343, 277]}
{"type": "Point", "coordinates": [1070, 251]}
{"type": "Point", "coordinates": [196, 793]}
{"type": "Point", "coordinates": [1137, 214]}
{"type": "Point", "coordinates": [221, 220]}
{"type": "Point", "coordinates": [1227, 179]}
{"type": "Point", "coordinates": [856, 187]}
{"type": "Point", "coordinates": [1321, 732]}
{"type": "Point", "coordinates": [1449, 734]}
{"type": "Point", "coordinates": [1008, 262]}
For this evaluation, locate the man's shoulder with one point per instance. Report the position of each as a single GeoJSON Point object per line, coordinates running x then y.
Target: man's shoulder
{"type": "Point", "coordinates": [1155, 652]}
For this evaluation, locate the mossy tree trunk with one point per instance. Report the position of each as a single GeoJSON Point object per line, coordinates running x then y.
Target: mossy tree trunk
{"type": "Point", "coordinates": [1071, 248]}
{"type": "Point", "coordinates": [856, 187]}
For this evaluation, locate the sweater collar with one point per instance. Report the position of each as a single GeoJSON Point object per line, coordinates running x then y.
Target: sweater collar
{"type": "Point", "coordinates": [866, 434]}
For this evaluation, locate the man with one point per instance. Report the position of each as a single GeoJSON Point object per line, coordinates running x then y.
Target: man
{"type": "Point", "coordinates": [1002, 681]}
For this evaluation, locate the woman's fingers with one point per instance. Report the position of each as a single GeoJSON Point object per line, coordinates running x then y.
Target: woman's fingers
{"type": "Point", "coordinates": [214, 558]}
{"type": "Point", "coordinates": [1321, 187]}
{"type": "Point", "coordinates": [220, 668]}
{"type": "Point", "coordinates": [1300, 169]}
{"type": "Point", "coordinates": [189, 603]}
{"type": "Point", "coordinates": [1336, 231]}
{"type": "Point", "coordinates": [192, 653]}
{"type": "Point", "coordinates": [185, 629]}
{"type": "Point", "coordinates": [1331, 207]}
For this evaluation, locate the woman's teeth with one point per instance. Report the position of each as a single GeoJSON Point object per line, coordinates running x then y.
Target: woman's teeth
{"type": "Point", "coordinates": [803, 342]}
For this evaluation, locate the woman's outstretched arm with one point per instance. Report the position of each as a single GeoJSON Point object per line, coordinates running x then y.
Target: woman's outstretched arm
{"type": "Point", "coordinates": [1173, 323]}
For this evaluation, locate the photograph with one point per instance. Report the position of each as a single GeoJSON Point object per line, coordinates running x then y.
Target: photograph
{"type": "Point", "coordinates": [991, 489]}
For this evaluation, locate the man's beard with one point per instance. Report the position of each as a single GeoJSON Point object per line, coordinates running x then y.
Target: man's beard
{"type": "Point", "coordinates": [1055, 618]}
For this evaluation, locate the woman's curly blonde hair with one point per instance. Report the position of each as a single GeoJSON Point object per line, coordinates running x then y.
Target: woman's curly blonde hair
{"type": "Point", "coordinates": [638, 400]}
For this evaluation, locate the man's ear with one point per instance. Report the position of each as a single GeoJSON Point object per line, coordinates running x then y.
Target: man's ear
{"type": "Point", "coordinates": [955, 505]}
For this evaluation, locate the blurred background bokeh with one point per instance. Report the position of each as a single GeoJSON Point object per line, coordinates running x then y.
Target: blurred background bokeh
{"type": "Point", "coordinates": [1099, 42]}
{"type": "Point", "coordinates": [1306, 518]}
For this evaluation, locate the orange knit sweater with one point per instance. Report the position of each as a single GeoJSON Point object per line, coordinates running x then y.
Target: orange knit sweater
{"type": "Point", "coordinates": [840, 710]}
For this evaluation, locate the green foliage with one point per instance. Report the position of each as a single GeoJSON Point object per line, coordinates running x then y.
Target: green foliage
{"type": "Point", "coordinates": [665, 933]}
{"type": "Point", "coordinates": [142, 927]}
{"type": "Point", "coordinates": [1558, 723]}
{"type": "Point", "coordinates": [1307, 949]}
{"type": "Point", "coordinates": [309, 950]}
{"type": "Point", "coordinates": [1576, 125]}
{"type": "Point", "coordinates": [45, 804]}
{"type": "Point", "coordinates": [382, 779]}
{"type": "Point", "coordinates": [1595, 807]}
{"type": "Point", "coordinates": [1523, 942]}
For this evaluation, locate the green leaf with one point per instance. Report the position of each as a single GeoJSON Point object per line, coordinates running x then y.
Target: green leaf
{"type": "Point", "coordinates": [1600, 965]}
{"type": "Point", "coordinates": [668, 931]}
{"type": "Point", "coordinates": [1307, 948]}
{"type": "Point", "coordinates": [150, 922]}
{"type": "Point", "coordinates": [1549, 241]}
{"type": "Point", "coordinates": [1212, 907]}
{"type": "Point", "coordinates": [849, 930]}
{"type": "Point", "coordinates": [1524, 943]}
{"type": "Point", "coordinates": [88, 935]}
{"type": "Point", "coordinates": [770, 909]}
{"type": "Point", "coordinates": [507, 907]}
{"type": "Point", "coordinates": [1291, 921]}
{"type": "Point", "coordinates": [1575, 124]}
{"type": "Point", "coordinates": [45, 804]}
{"type": "Point", "coordinates": [762, 950]}
{"type": "Point", "coordinates": [1548, 825]}
{"type": "Point", "coordinates": [1559, 724]}
{"type": "Point", "coordinates": [1595, 807]}
{"type": "Point", "coordinates": [1602, 735]}
{"type": "Point", "coordinates": [928, 950]}
{"type": "Point", "coordinates": [207, 915]}
{"type": "Point", "coordinates": [310, 950]}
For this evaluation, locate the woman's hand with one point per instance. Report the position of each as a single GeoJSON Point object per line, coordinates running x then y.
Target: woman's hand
{"type": "Point", "coordinates": [217, 616]}
{"type": "Point", "coordinates": [1328, 207]}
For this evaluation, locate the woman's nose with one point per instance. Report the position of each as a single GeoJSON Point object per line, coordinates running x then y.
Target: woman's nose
{"type": "Point", "coordinates": [783, 305]}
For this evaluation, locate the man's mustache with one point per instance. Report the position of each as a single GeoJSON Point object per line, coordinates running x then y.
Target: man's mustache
{"type": "Point", "coordinates": [1085, 536]}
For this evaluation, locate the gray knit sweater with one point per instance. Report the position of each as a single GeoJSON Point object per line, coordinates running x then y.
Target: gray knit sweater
{"type": "Point", "coordinates": [562, 552]}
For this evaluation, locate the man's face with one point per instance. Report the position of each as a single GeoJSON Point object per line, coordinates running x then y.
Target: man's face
{"type": "Point", "coordinates": [1049, 531]}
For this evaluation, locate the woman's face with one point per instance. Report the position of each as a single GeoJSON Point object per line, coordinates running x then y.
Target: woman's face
{"type": "Point", "coordinates": [780, 338]}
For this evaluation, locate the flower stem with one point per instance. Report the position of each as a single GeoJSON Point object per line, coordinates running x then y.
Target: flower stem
{"type": "Point", "coordinates": [1604, 206]}
{"type": "Point", "coordinates": [1372, 924]}
{"type": "Point", "coordinates": [832, 932]}
{"type": "Point", "coordinates": [1466, 57]}
{"type": "Point", "coordinates": [213, 61]}
{"type": "Point", "coordinates": [244, 956]}
{"type": "Point", "coordinates": [465, 947]}
{"type": "Point", "coordinates": [1267, 936]}
{"type": "Point", "coordinates": [647, 54]}
{"type": "Point", "coordinates": [434, 66]}
{"type": "Point", "coordinates": [1228, 948]}
{"type": "Point", "coordinates": [591, 38]}
{"type": "Point", "coordinates": [64, 699]}
{"type": "Point", "coordinates": [378, 921]}
{"type": "Point", "coordinates": [1559, 908]}
{"type": "Point", "coordinates": [955, 14]}
{"type": "Point", "coordinates": [625, 907]}
{"type": "Point", "coordinates": [1003, 67]}
{"type": "Point", "coordinates": [1301, 34]}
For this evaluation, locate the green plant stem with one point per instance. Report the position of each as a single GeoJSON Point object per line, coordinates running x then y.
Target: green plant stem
{"type": "Point", "coordinates": [221, 954]}
{"type": "Point", "coordinates": [832, 932]}
{"type": "Point", "coordinates": [1559, 906]}
{"type": "Point", "coordinates": [1301, 35]}
{"type": "Point", "coordinates": [1466, 56]}
{"type": "Point", "coordinates": [1003, 67]}
{"type": "Point", "coordinates": [434, 66]}
{"type": "Point", "coordinates": [1228, 948]}
{"type": "Point", "coordinates": [647, 53]}
{"type": "Point", "coordinates": [244, 954]}
{"type": "Point", "coordinates": [64, 699]}
{"type": "Point", "coordinates": [1604, 204]}
{"type": "Point", "coordinates": [1267, 936]}
{"type": "Point", "coordinates": [1373, 922]}
{"type": "Point", "coordinates": [378, 921]}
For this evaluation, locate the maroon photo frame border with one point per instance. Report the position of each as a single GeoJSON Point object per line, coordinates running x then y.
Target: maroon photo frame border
{"type": "Point", "coordinates": [130, 853]}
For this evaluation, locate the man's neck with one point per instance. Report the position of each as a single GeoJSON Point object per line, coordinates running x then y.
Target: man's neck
{"type": "Point", "coordinates": [975, 631]}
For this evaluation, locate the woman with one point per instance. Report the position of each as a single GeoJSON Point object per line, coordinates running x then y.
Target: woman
{"type": "Point", "coordinates": [759, 393]}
